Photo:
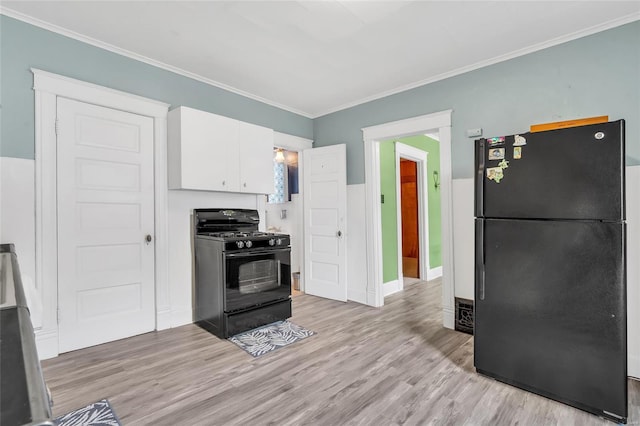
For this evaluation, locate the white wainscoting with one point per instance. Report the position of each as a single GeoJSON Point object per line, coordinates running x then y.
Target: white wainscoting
{"type": "Point", "coordinates": [463, 238]}
{"type": "Point", "coordinates": [17, 224]}
{"type": "Point", "coordinates": [356, 245]}
{"type": "Point", "coordinates": [181, 205]}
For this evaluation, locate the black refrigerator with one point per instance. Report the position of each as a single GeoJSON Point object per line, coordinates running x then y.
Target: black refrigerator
{"type": "Point", "coordinates": [550, 310]}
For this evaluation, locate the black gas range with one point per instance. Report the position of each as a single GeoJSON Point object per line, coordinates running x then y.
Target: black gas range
{"type": "Point", "coordinates": [251, 240]}
{"type": "Point", "coordinates": [242, 275]}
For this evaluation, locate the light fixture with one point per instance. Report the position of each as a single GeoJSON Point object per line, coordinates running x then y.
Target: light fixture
{"type": "Point", "coordinates": [279, 156]}
{"type": "Point", "coordinates": [436, 179]}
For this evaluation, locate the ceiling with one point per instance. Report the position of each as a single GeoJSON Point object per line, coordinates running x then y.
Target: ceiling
{"type": "Point", "coordinates": [316, 57]}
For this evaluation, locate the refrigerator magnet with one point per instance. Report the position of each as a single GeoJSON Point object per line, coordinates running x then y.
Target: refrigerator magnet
{"type": "Point", "coordinates": [517, 152]}
{"type": "Point", "coordinates": [503, 164]}
{"type": "Point", "coordinates": [496, 153]}
{"type": "Point", "coordinates": [496, 141]}
{"type": "Point", "coordinates": [495, 174]}
{"type": "Point", "coordinates": [519, 141]}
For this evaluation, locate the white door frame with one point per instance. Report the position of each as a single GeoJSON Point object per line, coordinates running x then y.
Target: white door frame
{"type": "Point", "coordinates": [439, 122]}
{"type": "Point", "coordinates": [48, 87]}
{"type": "Point", "coordinates": [297, 144]}
{"type": "Point", "coordinates": [418, 156]}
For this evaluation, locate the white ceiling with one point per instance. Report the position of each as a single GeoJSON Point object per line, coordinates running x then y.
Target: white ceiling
{"type": "Point", "coordinates": [315, 57]}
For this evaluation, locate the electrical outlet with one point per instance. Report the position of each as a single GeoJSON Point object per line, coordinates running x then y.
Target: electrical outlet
{"type": "Point", "coordinates": [474, 133]}
{"type": "Point", "coordinates": [382, 198]}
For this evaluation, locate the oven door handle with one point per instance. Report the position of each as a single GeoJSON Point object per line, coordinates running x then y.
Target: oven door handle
{"type": "Point", "coordinates": [257, 252]}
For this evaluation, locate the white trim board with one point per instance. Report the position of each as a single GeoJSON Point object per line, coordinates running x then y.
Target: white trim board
{"type": "Point", "coordinates": [296, 144]}
{"type": "Point", "coordinates": [439, 122]}
{"type": "Point", "coordinates": [404, 151]}
{"type": "Point", "coordinates": [434, 273]}
{"type": "Point", "coordinates": [48, 87]}
{"type": "Point", "coordinates": [392, 287]}
{"type": "Point", "coordinates": [291, 142]}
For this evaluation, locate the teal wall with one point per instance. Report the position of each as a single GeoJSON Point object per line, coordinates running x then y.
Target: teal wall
{"type": "Point", "coordinates": [591, 76]}
{"type": "Point", "coordinates": [594, 75]}
{"type": "Point", "coordinates": [23, 46]}
{"type": "Point", "coordinates": [389, 210]}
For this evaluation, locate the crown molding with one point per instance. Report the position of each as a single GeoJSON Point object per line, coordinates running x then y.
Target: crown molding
{"type": "Point", "coordinates": [501, 58]}
{"type": "Point", "coordinates": [141, 58]}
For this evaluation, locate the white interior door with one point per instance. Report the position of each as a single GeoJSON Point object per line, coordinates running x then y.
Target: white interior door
{"type": "Point", "coordinates": [325, 213]}
{"type": "Point", "coordinates": [105, 213]}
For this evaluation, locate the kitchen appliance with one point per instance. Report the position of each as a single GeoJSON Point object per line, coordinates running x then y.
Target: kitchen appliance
{"type": "Point", "coordinates": [242, 276]}
{"type": "Point", "coordinates": [550, 265]}
{"type": "Point", "coordinates": [24, 399]}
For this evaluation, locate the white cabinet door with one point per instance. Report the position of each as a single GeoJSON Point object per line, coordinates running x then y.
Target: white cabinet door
{"type": "Point", "coordinates": [256, 159]}
{"type": "Point", "coordinates": [203, 151]}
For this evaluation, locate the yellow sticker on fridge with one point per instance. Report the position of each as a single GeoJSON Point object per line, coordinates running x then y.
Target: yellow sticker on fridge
{"type": "Point", "coordinates": [517, 152]}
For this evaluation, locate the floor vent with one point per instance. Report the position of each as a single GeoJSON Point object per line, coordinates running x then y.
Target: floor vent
{"type": "Point", "coordinates": [464, 315]}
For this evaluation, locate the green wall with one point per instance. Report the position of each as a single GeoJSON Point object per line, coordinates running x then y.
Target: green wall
{"type": "Point", "coordinates": [389, 207]}
{"type": "Point", "coordinates": [23, 46]}
{"type": "Point", "coordinates": [590, 76]}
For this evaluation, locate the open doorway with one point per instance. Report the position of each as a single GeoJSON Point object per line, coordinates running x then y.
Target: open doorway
{"type": "Point", "coordinates": [283, 208]}
{"type": "Point", "coordinates": [410, 211]}
{"type": "Point", "coordinates": [438, 124]}
{"type": "Point", "coordinates": [410, 247]}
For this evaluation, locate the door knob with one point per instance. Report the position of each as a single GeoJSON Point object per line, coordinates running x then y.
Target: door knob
{"type": "Point", "coordinates": [339, 234]}
{"type": "Point", "coordinates": [148, 238]}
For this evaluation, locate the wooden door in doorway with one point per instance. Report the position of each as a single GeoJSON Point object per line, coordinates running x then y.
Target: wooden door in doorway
{"type": "Point", "coordinates": [409, 209]}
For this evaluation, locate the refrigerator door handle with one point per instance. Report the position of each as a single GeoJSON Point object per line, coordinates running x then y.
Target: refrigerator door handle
{"type": "Point", "coordinates": [479, 177]}
{"type": "Point", "coordinates": [480, 290]}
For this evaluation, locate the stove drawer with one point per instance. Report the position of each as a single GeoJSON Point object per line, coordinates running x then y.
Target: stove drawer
{"type": "Point", "coordinates": [263, 315]}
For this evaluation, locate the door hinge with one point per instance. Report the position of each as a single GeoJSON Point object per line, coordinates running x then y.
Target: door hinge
{"type": "Point", "coordinates": [57, 127]}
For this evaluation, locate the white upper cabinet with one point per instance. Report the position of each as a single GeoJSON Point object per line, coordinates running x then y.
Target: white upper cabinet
{"type": "Point", "coordinates": [214, 153]}
{"type": "Point", "coordinates": [256, 154]}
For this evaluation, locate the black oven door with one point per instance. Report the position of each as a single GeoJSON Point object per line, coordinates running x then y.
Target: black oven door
{"type": "Point", "coordinates": [256, 278]}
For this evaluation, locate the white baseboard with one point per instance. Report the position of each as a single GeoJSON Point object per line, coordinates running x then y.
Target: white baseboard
{"type": "Point", "coordinates": [359, 296]}
{"type": "Point", "coordinates": [182, 316]}
{"type": "Point", "coordinates": [163, 319]}
{"type": "Point", "coordinates": [633, 366]}
{"type": "Point", "coordinates": [391, 287]}
{"type": "Point", "coordinates": [47, 344]}
{"type": "Point", "coordinates": [371, 298]}
{"type": "Point", "coordinates": [434, 273]}
{"type": "Point", "coordinates": [448, 318]}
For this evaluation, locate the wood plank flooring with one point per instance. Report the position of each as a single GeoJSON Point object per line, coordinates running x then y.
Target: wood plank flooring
{"type": "Point", "coordinates": [365, 366]}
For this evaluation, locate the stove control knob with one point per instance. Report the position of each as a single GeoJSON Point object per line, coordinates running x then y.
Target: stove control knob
{"type": "Point", "coordinates": [240, 244]}
{"type": "Point", "coordinates": [248, 244]}
{"type": "Point", "coordinates": [272, 242]}
{"type": "Point", "coordinates": [279, 241]}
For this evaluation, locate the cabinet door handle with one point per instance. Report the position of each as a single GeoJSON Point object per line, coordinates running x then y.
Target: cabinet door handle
{"type": "Point", "coordinates": [223, 182]}
{"type": "Point", "coordinates": [245, 184]}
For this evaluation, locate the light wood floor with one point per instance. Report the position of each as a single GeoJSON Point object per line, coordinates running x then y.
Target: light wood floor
{"type": "Point", "coordinates": [393, 365]}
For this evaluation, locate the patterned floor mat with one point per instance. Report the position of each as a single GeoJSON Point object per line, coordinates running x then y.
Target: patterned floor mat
{"type": "Point", "coordinates": [263, 340]}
